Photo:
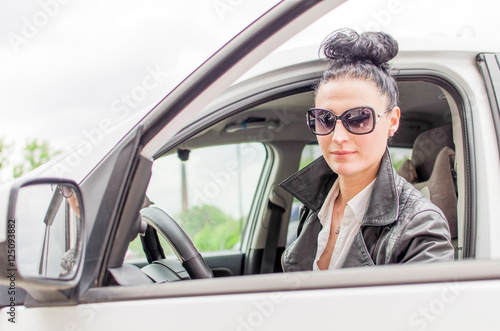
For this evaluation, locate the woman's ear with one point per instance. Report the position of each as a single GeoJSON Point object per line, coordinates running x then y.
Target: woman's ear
{"type": "Point", "coordinates": [394, 116]}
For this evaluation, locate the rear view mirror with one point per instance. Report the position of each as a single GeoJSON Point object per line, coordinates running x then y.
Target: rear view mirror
{"type": "Point", "coordinates": [45, 233]}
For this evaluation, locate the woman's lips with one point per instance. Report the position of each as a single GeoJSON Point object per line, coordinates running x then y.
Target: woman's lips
{"type": "Point", "coordinates": [342, 154]}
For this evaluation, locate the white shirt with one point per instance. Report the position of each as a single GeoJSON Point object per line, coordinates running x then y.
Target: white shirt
{"type": "Point", "coordinates": [351, 223]}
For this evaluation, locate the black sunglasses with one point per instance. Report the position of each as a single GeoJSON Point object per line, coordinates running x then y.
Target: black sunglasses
{"type": "Point", "coordinates": [359, 120]}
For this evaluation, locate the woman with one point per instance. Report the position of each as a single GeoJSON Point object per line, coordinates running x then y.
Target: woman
{"type": "Point", "coordinates": [356, 210]}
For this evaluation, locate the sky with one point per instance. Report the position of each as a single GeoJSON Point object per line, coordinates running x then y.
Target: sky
{"type": "Point", "coordinates": [71, 67]}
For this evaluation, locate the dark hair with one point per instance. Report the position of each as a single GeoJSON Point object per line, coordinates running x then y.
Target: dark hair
{"type": "Point", "coordinates": [362, 56]}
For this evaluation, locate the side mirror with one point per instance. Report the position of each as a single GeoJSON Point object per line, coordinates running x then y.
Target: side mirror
{"type": "Point", "coordinates": [45, 237]}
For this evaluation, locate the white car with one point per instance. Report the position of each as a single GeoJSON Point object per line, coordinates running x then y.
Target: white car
{"type": "Point", "coordinates": [90, 244]}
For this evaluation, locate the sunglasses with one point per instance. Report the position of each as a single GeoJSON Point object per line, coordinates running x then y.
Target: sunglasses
{"type": "Point", "coordinates": [359, 120]}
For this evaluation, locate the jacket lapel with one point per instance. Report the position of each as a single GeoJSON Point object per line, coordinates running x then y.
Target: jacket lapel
{"type": "Point", "coordinates": [358, 255]}
{"type": "Point", "coordinates": [383, 205]}
{"type": "Point", "coordinates": [311, 184]}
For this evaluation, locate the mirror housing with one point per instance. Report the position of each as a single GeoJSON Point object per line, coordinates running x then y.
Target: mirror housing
{"type": "Point", "coordinates": [45, 243]}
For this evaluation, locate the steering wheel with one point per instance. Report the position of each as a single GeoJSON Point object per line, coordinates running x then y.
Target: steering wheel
{"type": "Point", "coordinates": [186, 251]}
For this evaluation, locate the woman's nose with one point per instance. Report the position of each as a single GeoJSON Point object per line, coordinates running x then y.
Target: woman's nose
{"type": "Point", "coordinates": [340, 134]}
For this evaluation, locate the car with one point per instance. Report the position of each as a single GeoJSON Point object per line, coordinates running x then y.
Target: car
{"type": "Point", "coordinates": [176, 219]}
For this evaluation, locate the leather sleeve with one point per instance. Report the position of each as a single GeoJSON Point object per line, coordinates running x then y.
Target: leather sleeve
{"type": "Point", "coordinates": [300, 255]}
{"type": "Point", "coordinates": [425, 238]}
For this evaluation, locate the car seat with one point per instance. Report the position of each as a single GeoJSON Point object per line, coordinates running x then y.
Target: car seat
{"type": "Point", "coordinates": [431, 170]}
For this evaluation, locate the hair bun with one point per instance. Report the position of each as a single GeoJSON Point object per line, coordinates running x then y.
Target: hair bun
{"type": "Point", "coordinates": [346, 45]}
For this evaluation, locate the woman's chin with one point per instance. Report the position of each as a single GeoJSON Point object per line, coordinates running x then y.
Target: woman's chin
{"type": "Point", "coordinates": [344, 168]}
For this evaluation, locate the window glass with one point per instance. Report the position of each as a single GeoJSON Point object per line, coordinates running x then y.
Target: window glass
{"type": "Point", "coordinates": [399, 155]}
{"type": "Point", "coordinates": [309, 153]}
{"type": "Point", "coordinates": [209, 194]}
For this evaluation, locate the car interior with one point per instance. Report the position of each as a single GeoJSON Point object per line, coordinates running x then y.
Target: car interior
{"type": "Point", "coordinates": [430, 135]}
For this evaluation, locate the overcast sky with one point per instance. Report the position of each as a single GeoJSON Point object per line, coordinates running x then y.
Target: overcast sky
{"type": "Point", "coordinates": [67, 65]}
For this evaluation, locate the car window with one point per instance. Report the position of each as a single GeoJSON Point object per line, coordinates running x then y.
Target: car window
{"type": "Point", "coordinates": [399, 155]}
{"type": "Point", "coordinates": [208, 191]}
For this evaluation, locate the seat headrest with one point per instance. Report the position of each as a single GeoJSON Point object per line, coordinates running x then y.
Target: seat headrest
{"type": "Point", "coordinates": [440, 188]}
{"type": "Point", "coordinates": [426, 148]}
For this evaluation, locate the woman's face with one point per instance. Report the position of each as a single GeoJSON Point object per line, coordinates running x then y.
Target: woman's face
{"type": "Point", "coordinates": [349, 155]}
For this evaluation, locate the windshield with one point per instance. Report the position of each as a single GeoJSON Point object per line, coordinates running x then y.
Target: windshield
{"type": "Point", "coordinates": [70, 68]}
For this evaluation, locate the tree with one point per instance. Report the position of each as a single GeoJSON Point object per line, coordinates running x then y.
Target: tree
{"type": "Point", "coordinates": [209, 228]}
{"type": "Point", "coordinates": [35, 154]}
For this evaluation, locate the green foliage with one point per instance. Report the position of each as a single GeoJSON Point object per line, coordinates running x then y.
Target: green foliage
{"type": "Point", "coordinates": [398, 163]}
{"type": "Point", "coordinates": [305, 161]}
{"type": "Point", "coordinates": [309, 154]}
{"type": "Point", "coordinates": [35, 154]}
{"type": "Point", "coordinates": [209, 228]}
{"type": "Point", "coordinates": [135, 249]}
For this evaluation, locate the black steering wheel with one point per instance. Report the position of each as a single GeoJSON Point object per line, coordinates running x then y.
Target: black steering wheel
{"type": "Point", "coordinates": [186, 251]}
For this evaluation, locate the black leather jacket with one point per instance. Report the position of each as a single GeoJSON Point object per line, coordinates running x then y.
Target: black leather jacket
{"type": "Point", "coordinates": [400, 225]}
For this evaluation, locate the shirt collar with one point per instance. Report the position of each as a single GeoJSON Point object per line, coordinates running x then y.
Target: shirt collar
{"type": "Point", "coordinates": [360, 201]}
{"type": "Point", "coordinates": [357, 204]}
{"type": "Point", "coordinates": [325, 213]}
